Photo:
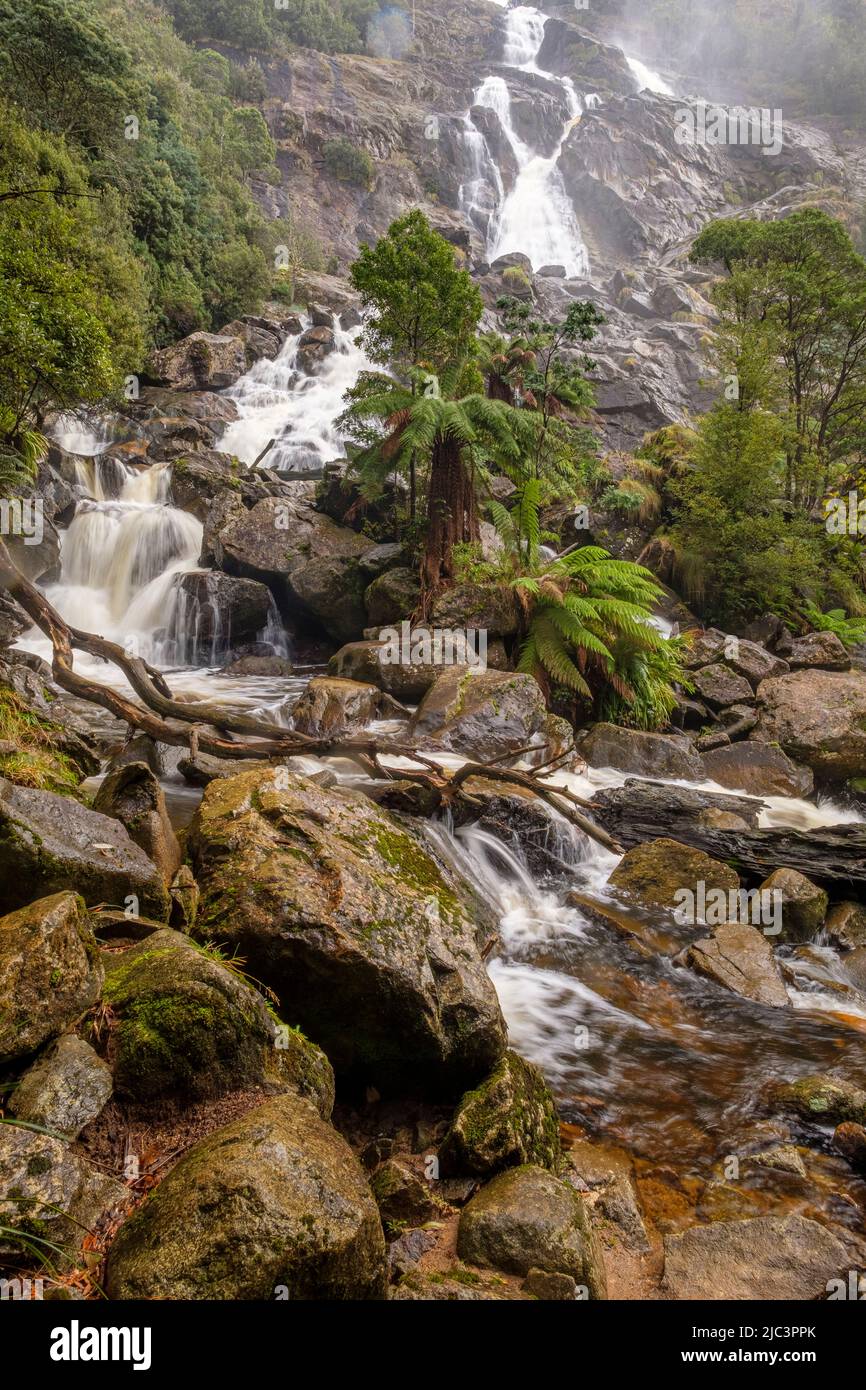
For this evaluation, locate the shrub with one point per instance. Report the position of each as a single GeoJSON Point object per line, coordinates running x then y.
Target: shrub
{"type": "Point", "coordinates": [348, 163]}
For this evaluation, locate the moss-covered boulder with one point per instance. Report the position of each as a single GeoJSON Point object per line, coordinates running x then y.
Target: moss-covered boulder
{"type": "Point", "coordinates": [528, 1219]}
{"type": "Point", "coordinates": [49, 843]}
{"type": "Point", "coordinates": [65, 1089]}
{"type": "Point", "coordinates": [272, 1206]}
{"type": "Point", "coordinates": [402, 1195]}
{"type": "Point", "coordinates": [392, 597]}
{"type": "Point", "coordinates": [804, 904]}
{"type": "Point", "coordinates": [372, 946]}
{"type": "Point", "coordinates": [50, 972]}
{"type": "Point", "coordinates": [481, 713]}
{"type": "Point", "coordinates": [825, 1100]}
{"type": "Point", "coordinates": [655, 872]}
{"type": "Point", "coordinates": [132, 794]}
{"type": "Point", "coordinates": [509, 1120]}
{"type": "Point", "coordinates": [189, 1027]}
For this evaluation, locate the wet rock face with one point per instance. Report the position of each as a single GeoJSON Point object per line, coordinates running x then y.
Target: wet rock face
{"type": "Point", "coordinates": [221, 611]}
{"type": "Point", "coordinates": [822, 1100]}
{"type": "Point", "coordinates": [272, 1206]}
{"type": "Point", "coordinates": [804, 904]}
{"type": "Point", "coordinates": [46, 1187]}
{"type": "Point", "coordinates": [528, 1219]}
{"type": "Point", "coordinates": [760, 769]}
{"type": "Point", "coordinates": [50, 972]}
{"type": "Point", "coordinates": [768, 1257]}
{"type": "Point", "coordinates": [330, 707]}
{"type": "Point", "coordinates": [654, 873]}
{"type": "Point", "coordinates": [371, 946]}
{"type": "Point", "coordinates": [133, 795]}
{"type": "Point", "coordinates": [49, 843]}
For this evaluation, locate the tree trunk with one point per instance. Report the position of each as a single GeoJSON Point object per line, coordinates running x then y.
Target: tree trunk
{"type": "Point", "coordinates": [452, 516]}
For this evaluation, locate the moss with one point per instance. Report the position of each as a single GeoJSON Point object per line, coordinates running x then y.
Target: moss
{"type": "Point", "coordinates": [36, 760]}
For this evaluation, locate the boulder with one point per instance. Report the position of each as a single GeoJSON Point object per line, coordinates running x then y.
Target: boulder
{"type": "Point", "coordinates": [218, 612]}
{"type": "Point", "coordinates": [817, 718]}
{"type": "Point", "coordinates": [273, 1205]}
{"type": "Point", "coordinates": [761, 769]}
{"type": "Point", "coordinates": [754, 662]}
{"type": "Point", "coordinates": [403, 1198]}
{"type": "Point", "coordinates": [654, 873]}
{"type": "Point", "coordinates": [823, 650]}
{"type": "Point", "coordinates": [331, 590]}
{"type": "Point", "coordinates": [132, 794]}
{"type": "Point", "coordinates": [392, 597]}
{"type": "Point", "coordinates": [482, 714]}
{"type": "Point", "coordinates": [804, 905]}
{"type": "Point", "coordinates": [720, 686]}
{"type": "Point", "coordinates": [49, 843]}
{"type": "Point", "coordinates": [50, 973]}
{"type": "Point", "coordinates": [740, 958]}
{"type": "Point", "coordinates": [821, 1099]}
{"type": "Point", "coordinates": [526, 1218]}
{"type": "Point", "coordinates": [707, 647]}
{"type": "Point", "coordinates": [370, 944]}
{"type": "Point", "coordinates": [65, 1089]}
{"type": "Point", "coordinates": [314, 345]}
{"type": "Point", "coordinates": [406, 681]}
{"type": "Point", "coordinates": [767, 1257]}
{"type": "Point", "coordinates": [490, 608]}
{"type": "Point", "coordinates": [184, 900]}
{"type": "Point", "coordinates": [188, 1028]}
{"type": "Point", "coordinates": [269, 666]}
{"type": "Point", "coordinates": [201, 362]}
{"type": "Point", "coordinates": [846, 925]}
{"type": "Point", "coordinates": [647, 755]}
{"type": "Point", "coordinates": [330, 707]}
{"type": "Point", "coordinates": [51, 1194]}
{"type": "Point", "coordinates": [850, 1141]}
{"type": "Point", "coordinates": [509, 1120]}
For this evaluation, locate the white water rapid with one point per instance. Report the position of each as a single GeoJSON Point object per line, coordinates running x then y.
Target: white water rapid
{"type": "Point", "coordinates": [278, 400]}
{"type": "Point", "coordinates": [536, 216]}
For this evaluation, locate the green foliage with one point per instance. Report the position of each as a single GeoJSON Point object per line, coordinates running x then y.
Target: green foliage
{"type": "Point", "coordinates": [590, 632]}
{"type": "Point", "coordinates": [850, 631]}
{"type": "Point", "coordinates": [333, 26]}
{"type": "Point", "coordinates": [348, 162]}
{"type": "Point", "coordinates": [422, 309]}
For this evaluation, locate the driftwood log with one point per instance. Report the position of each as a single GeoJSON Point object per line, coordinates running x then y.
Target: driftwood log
{"type": "Point", "coordinates": [210, 728]}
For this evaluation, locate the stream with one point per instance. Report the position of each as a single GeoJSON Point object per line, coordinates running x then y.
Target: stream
{"type": "Point", "coordinates": [640, 1052]}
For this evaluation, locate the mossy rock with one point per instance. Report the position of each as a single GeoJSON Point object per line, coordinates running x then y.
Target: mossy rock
{"type": "Point", "coordinates": [655, 872]}
{"type": "Point", "coordinates": [528, 1219]}
{"type": "Point", "coordinates": [274, 1205]}
{"type": "Point", "coordinates": [509, 1120]}
{"type": "Point", "coordinates": [371, 944]}
{"type": "Point", "coordinates": [824, 1100]}
{"type": "Point", "coordinates": [50, 972]}
{"type": "Point", "coordinates": [189, 1028]}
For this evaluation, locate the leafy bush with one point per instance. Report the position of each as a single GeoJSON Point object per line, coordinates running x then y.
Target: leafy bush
{"type": "Point", "coordinates": [348, 162]}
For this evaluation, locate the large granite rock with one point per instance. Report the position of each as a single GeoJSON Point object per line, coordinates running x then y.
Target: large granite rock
{"type": "Point", "coordinates": [760, 769]}
{"type": "Point", "coordinates": [509, 1120]}
{"type": "Point", "coordinates": [646, 754]}
{"type": "Point", "coordinates": [133, 795]}
{"type": "Point", "coordinates": [818, 718]}
{"type": "Point", "coordinates": [738, 957]}
{"type": "Point", "coordinates": [273, 1206]}
{"type": "Point", "coordinates": [481, 713]}
{"type": "Point", "coordinates": [656, 872]}
{"type": "Point", "coordinates": [330, 707]}
{"type": "Point", "coordinates": [65, 1089]}
{"type": "Point", "coordinates": [201, 362]}
{"type": "Point", "coordinates": [768, 1257]}
{"type": "Point", "coordinates": [370, 944]}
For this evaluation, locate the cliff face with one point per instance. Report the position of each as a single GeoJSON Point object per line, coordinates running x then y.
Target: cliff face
{"type": "Point", "coordinates": [639, 195]}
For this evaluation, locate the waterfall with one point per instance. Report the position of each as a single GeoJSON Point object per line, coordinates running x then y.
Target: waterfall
{"type": "Point", "coordinates": [649, 81]}
{"type": "Point", "coordinates": [279, 400]}
{"type": "Point", "coordinates": [536, 217]}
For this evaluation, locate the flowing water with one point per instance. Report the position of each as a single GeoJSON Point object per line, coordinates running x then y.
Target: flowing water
{"type": "Point", "coordinates": [536, 216]}
{"type": "Point", "coordinates": [639, 1050]}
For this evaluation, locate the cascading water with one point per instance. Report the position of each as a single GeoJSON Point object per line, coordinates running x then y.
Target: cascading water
{"type": "Point", "coordinates": [649, 80]}
{"type": "Point", "coordinates": [536, 217]}
{"type": "Point", "coordinates": [280, 400]}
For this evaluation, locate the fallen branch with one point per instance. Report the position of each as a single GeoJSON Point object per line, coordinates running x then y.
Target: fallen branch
{"type": "Point", "coordinates": [214, 730]}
